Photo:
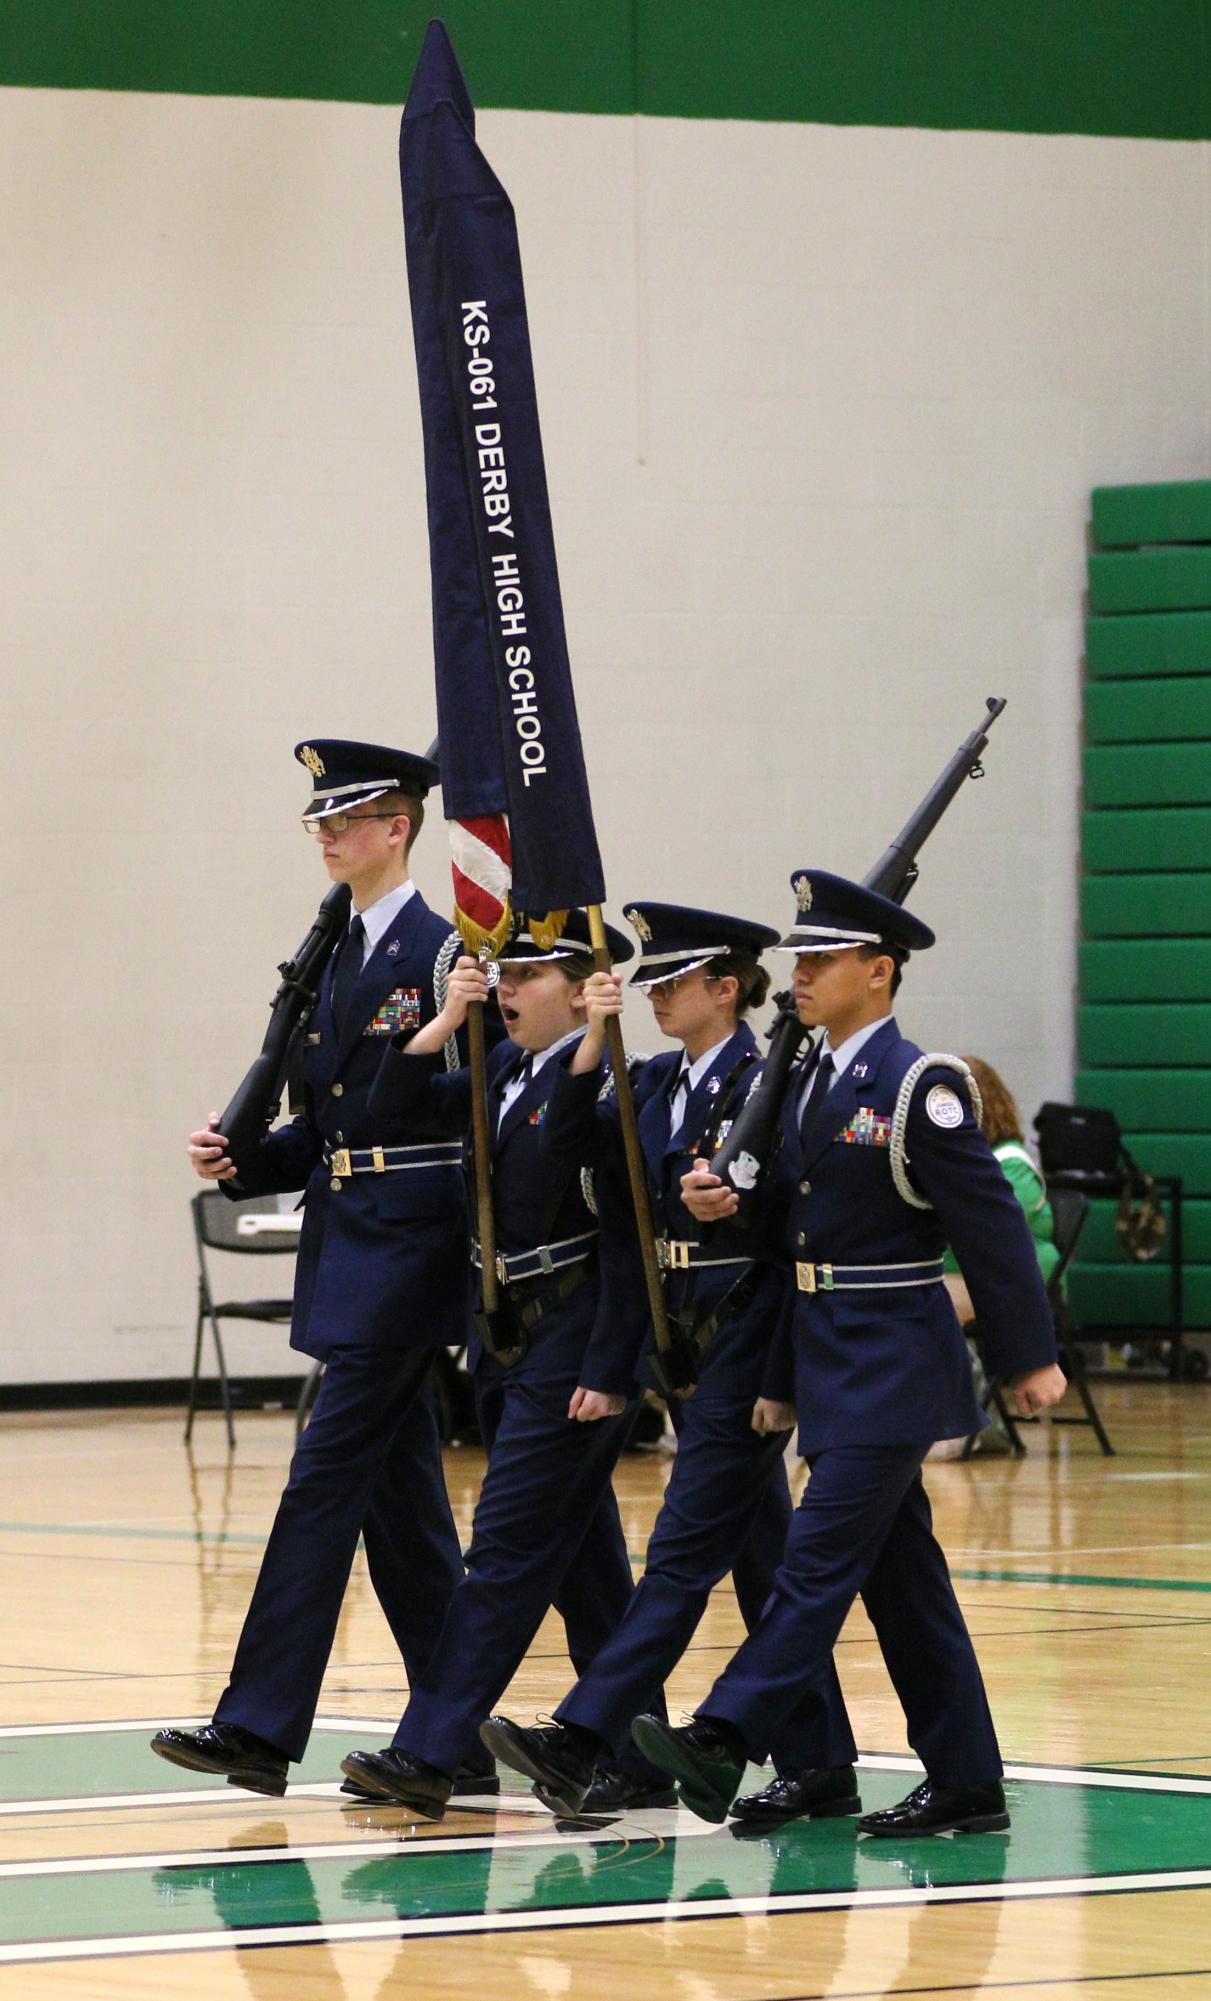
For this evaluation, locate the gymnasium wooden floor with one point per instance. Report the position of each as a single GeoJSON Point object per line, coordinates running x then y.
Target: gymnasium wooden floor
{"type": "Point", "coordinates": [125, 1569]}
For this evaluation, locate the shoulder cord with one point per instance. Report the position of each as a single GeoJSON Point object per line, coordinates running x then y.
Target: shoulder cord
{"type": "Point", "coordinates": [587, 1186]}
{"type": "Point", "coordinates": [936, 1060]}
{"type": "Point", "coordinates": [451, 947]}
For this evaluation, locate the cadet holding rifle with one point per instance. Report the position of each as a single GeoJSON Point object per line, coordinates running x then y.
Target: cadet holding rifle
{"type": "Point", "coordinates": [381, 1283]}
{"type": "Point", "coordinates": [882, 1163]}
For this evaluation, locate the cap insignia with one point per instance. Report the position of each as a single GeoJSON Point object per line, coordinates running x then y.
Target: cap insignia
{"type": "Point", "coordinates": [639, 924]}
{"type": "Point", "coordinates": [803, 892]}
{"type": "Point", "coordinates": [313, 761]}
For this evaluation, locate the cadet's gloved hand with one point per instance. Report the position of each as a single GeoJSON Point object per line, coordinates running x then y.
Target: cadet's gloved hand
{"type": "Point", "coordinates": [769, 1414]}
{"type": "Point", "coordinates": [587, 1406]}
{"type": "Point", "coordinates": [1037, 1390]}
{"type": "Point", "coordinates": [208, 1152]}
{"type": "Point", "coordinates": [705, 1195]}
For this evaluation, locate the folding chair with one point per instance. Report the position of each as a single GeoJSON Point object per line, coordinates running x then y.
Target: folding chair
{"type": "Point", "coordinates": [1070, 1210]}
{"type": "Point", "coordinates": [216, 1225]}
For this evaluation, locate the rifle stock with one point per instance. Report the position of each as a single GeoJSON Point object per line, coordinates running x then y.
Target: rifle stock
{"type": "Point", "coordinates": [754, 1131]}
{"type": "Point", "coordinates": [259, 1095]}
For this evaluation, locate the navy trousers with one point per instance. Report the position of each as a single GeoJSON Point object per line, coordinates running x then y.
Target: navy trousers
{"type": "Point", "coordinates": [726, 1507]}
{"type": "Point", "coordinates": [863, 1525]}
{"type": "Point", "coordinates": [546, 1532]}
{"type": "Point", "coordinates": [369, 1463]}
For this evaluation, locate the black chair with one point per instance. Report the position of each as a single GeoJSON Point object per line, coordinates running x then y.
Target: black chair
{"type": "Point", "coordinates": [216, 1228]}
{"type": "Point", "coordinates": [1070, 1211]}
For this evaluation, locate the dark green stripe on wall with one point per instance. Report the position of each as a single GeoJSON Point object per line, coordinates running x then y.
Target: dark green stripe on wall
{"type": "Point", "coordinates": [1146, 906]}
{"type": "Point", "coordinates": [1130, 67]}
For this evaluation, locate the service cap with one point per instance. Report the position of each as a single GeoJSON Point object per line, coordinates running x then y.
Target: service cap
{"type": "Point", "coordinates": [573, 942]}
{"type": "Point", "coordinates": [346, 774]}
{"type": "Point", "coordinates": [675, 939]}
{"type": "Point", "coordinates": [835, 914]}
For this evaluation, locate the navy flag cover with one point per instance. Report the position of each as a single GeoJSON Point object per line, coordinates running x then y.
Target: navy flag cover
{"type": "Point", "coordinates": [510, 740]}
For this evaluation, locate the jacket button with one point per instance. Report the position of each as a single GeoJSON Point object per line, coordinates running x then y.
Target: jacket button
{"type": "Point", "coordinates": [805, 1188]}
{"type": "Point", "coordinates": [801, 1239]}
{"type": "Point", "coordinates": [339, 1138]}
{"type": "Point", "coordinates": [336, 1182]}
{"type": "Point", "coordinates": [338, 1090]}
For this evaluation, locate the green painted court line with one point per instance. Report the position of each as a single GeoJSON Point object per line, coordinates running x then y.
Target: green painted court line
{"type": "Point", "coordinates": [1073, 1835]}
{"type": "Point", "coordinates": [124, 1529]}
{"type": "Point", "coordinates": [1081, 1578]}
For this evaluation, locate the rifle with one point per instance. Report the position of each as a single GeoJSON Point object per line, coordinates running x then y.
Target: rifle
{"type": "Point", "coordinates": [256, 1103]}
{"type": "Point", "coordinates": [755, 1128]}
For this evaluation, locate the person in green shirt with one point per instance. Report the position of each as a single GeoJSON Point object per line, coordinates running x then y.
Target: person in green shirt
{"type": "Point", "coordinates": [1001, 1123]}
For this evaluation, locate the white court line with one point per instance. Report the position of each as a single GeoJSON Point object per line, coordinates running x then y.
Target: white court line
{"type": "Point", "coordinates": [1046, 1775]}
{"type": "Point", "coordinates": [174, 1723]}
{"type": "Point", "coordinates": [661, 1824]}
{"type": "Point", "coordinates": [612, 1914]}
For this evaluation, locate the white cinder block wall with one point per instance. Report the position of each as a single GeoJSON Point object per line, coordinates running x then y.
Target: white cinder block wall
{"type": "Point", "coordinates": [822, 410]}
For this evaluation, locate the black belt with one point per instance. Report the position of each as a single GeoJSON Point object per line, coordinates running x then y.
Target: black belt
{"type": "Point", "coordinates": [507, 1335]}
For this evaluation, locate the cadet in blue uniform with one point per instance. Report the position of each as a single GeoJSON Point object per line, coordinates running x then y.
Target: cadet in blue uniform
{"type": "Point", "coordinates": [381, 1282]}
{"type": "Point", "coordinates": [727, 1504]}
{"type": "Point", "coordinates": [554, 1379]}
{"type": "Point", "coordinates": [883, 1162]}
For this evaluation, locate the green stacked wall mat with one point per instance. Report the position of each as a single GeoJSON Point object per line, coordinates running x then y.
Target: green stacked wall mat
{"type": "Point", "coordinates": [1126, 1295]}
{"type": "Point", "coordinates": [1128, 1033]}
{"type": "Point", "coordinates": [1171, 511]}
{"type": "Point", "coordinates": [1123, 839]}
{"type": "Point", "coordinates": [1169, 709]}
{"type": "Point", "coordinates": [1150, 1100]}
{"type": "Point", "coordinates": [1151, 580]}
{"type": "Point", "coordinates": [1146, 906]}
{"type": "Point", "coordinates": [1152, 969]}
{"type": "Point", "coordinates": [1145, 774]}
{"type": "Point", "coordinates": [1175, 642]}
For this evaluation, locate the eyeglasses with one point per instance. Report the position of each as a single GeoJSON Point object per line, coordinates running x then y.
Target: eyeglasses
{"type": "Point", "coordinates": [338, 823]}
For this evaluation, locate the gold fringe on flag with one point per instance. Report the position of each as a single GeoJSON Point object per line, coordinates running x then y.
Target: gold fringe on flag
{"type": "Point", "coordinates": [483, 944]}
{"type": "Point", "coordinates": [545, 931]}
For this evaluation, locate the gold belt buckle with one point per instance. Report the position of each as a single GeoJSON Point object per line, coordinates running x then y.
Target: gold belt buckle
{"type": "Point", "coordinates": [679, 1249]}
{"type": "Point", "coordinates": [376, 1155]}
{"type": "Point", "coordinates": [502, 1269]}
{"type": "Point", "coordinates": [339, 1162]}
{"type": "Point", "coordinates": [805, 1277]}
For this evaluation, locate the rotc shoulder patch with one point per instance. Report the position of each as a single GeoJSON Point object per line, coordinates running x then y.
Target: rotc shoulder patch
{"type": "Point", "coordinates": [401, 1009]}
{"type": "Point", "coordinates": [944, 1107]}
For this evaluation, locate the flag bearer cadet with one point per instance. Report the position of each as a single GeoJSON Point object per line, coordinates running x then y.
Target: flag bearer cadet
{"type": "Point", "coordinates": [883, 1163]}
{"type": "Point", "coordinates": [380, 1284]}
{"type": "Point", "coordinates": [554, 1378]}
{"type": "Point", "coordinates": [727, 1504]}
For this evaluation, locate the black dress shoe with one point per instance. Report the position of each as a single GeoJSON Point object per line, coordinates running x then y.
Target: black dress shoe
{"type": "Point", "coordinates": [470, 1782]}
{"type": "Point", "coordinates": [931, 1809]}
{"type": "Point", "coordinates": [229, 1752]}
{"type": "Point", "coordinates": [825, 1794]}
{"type": "Point", "coordinates": [707, 1764]}
{"type": "Point", "coordinates": [614, 1790]}
{"type": "Point", "coordinates": [397, 1775]}
{"type": "Point", "coordinates": [548, 1754]}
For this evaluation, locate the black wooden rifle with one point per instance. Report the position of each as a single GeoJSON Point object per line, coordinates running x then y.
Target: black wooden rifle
{"type": "Point", "coordinates": [755, 1128]}
{"type": "Point", "coordinates": [257, 1101]}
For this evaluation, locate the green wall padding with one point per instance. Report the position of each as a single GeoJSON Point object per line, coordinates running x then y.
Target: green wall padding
{"type": "Point", "coordinates": [1151, 580]}
{"type": "Point", "coordinates": [1146, 774]}
{"type": "Point", "coordinates": [1099, 1245]}
{"type": "Point", "coordinates": [1187, 1154]}
{"type": "Point", "coordinates": [1173, 511]}
{"type": "Point", "coordinates": [1137, 711]}
{"type": "Point", "coordinates": [1160, 969]}
{"type": "Point", "coordinates": [1128, 67]}
{"type": "Point", "coordinates": [1146, 906]}
{"type": "Point", "coordinates": [1119, 1035]}
{"type": "Point", "coordinates": [1171, 642]}
{"type": "Point", "coordinates": [1147, 1100]}
{"type": "Point", "coordinates": [1127, 839]}
{"type": "Point", "coordinates": [1123, 1295]}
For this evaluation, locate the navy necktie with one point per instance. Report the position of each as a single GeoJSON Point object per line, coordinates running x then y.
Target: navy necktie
{"type": "Point", "coordinates": [348, 966]}
{"type": "Point", "coordinates": [817, 1093]}
{"type": "Point", "coordinates": [678, 1103]}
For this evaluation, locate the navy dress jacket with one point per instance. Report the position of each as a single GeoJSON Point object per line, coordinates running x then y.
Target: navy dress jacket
{"type": "Point", "coordinates": [382, 1259]}
{"type": "Point", "coordinates": [890, 1366]}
